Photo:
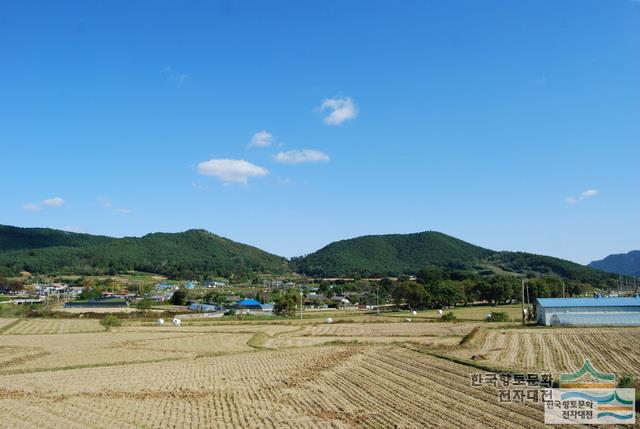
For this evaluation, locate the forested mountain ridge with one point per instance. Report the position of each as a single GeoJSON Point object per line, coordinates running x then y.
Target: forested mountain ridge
{"type": "Point", "coordinates": [198, 253]}
{"type": "Point", "coordinates": [15, 238]}
{"type": "Point", "coordinates": [184, 255]}
{"type": "Point", "coordinates": [627, 264]}
{"type": "Point", "coordinates": [389, 254]}
{"type": "Point", "coordinates": [395, 254]}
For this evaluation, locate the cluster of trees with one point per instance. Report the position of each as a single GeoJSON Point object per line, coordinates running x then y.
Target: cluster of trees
{"type": "Point", "coordinates": [438, 288]}
{"type": "Point", "coordinates": [10, 286]}
{"type": "Point", "coordinates": [286, 303]}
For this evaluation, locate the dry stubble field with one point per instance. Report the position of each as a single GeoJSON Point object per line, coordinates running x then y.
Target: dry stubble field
{"type": "Point", "coordinates": [251, 375]}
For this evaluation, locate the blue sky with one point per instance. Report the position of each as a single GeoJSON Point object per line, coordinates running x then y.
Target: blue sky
{"type": "Point", "coordinates": [514, 125]}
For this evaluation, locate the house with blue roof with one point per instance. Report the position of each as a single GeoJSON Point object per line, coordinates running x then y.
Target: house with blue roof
{"type": "Point", "coordinates": [588, 311]}
{"type": "Point", "coordinates": [250, 304]}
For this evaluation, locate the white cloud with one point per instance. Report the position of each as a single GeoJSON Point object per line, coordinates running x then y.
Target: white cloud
{"type": "Point", "coordinates": [542, 81]}
{"type": "Point", "coordinates": [341, 109]}
{"type": "Point", "coordinates": [108, 204]}
{"type": "Point", "coordinates": [173, 76]}
{"type": "Point", "coordinates": [261, 139]}
{"type": "Point", "coordinates": [30, 207]}
{"type": "Point", "coordinates": [199, 186]}
{"type": "Point", "coordinates": [589, 193]}
{"type": "Point", "coordinates": [53, 202]}
{"type": "Point", "coordinates": [231, 170]}
{"type": "Point", "coordinates": [105, 202]}
{"type": "Point", "coordinates": [300, 156]}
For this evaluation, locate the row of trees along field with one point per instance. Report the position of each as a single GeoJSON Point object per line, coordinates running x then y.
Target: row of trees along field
{"type": "Point", "coordinates": [437, 287]}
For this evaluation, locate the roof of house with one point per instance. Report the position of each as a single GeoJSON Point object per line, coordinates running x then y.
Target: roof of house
{"type": "Point", "coordinates": [249, 302]}
{"type": "Point", "coordinates": [589, 302]}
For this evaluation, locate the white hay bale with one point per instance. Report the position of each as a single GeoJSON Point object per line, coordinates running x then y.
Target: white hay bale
{"type": "Point", "coordinates": [328, 320]}
{"type": "Point", "coordinates": [160, 322]}
{"type": "Point", "coordinates": [177, 322]}
{"type": "Point", "coordinates": [414, 312]}
{"type": "Point", "coordinates": [440, 312]}
{"type": "Point", "coordinates": [407, 320]}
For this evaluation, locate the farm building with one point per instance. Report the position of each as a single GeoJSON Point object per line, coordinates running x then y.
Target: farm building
{"type": "Point", "coordinates": [205, 308]}
{"type": "Point", "coordinates": [588, 311]}
{"type": "Point", "coordinates": [250, 304]}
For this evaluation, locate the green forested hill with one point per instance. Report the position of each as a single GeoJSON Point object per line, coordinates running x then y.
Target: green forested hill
{"type": "Point", "coordinates": [390, 254]}
{"type": "Point", "coordinates": [14, 238]}
{"type": "Point", "coordinates": [187, 254]}
{"type": "Point", "coordinates": [407, 253]}
{"type": "Point", "coordinates": [198, 253]}
{"type": "Point", "coordinates": [529, 263]}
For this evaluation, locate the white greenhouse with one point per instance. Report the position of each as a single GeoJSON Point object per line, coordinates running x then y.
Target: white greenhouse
{"type": "Point", "coordinates": [588, 311]}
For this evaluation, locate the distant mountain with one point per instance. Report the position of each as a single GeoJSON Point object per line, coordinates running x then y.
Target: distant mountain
{"type": "Point", "coordinates": [198, 253]}
{"type": "Point", "coordinates": [407, 253]}
{"type": "Point", "coordinates": [627, 264]}
{"type": "Point", "coordinates": [186, 254]}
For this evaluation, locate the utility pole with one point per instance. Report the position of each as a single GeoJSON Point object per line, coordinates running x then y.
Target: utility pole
{"type": "Point", "coordinates": [522, 303]}
{"type": "Point", "coordinates": [301, 304]}
{"type": "Point", "coordinates": [619, 284]}
{"type": "Point", "coordinates": [563, 288]}
{"type": "Point", "coordinates": [377, 300]}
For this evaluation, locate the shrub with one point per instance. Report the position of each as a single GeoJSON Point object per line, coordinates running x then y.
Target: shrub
{"type": "Point", "coordinates": [626, 381]}
{"type": "Point", "coordinates": [448, 317]}
{"type": "Point", "coordinates": [144, 305]}
{"type": "Point", "coordinates": [110, 321]}
{"type": "Point", "coordinates": [498, 316]}
{"type": "Point", "coordinates": [179, 297]}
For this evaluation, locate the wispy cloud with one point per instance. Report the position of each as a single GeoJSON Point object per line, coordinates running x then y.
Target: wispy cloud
{"type": "Point", "coordinates": [49, 202]}
{"type": "Point", "coordinates": [541, 81]}
{"type": "Point", "coordinates": [261, 139]}
{"type": "Point", "coordinates": [105, 202]}
{"type": "Point", "coordinates": [301, 156]}
{"type": "Point", "coordinates": [589, 193]}
{"type": "Point", "coordinates": [108, 204]}
{"type": "Point", "coordinates": [173, 76]}
{"type": "Point", "coordinates": [199, 186]}
{"type": "Point", "coordinates": [340, 110]}
{"type": "Point", "coordinates": [31, 207]}
{"type": "Point", "coordinates": [231, 170]}
{"type": "Point", "coordinates": [53, 202]}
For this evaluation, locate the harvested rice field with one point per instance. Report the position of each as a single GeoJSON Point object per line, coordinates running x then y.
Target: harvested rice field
{"type": "Point", "coordinates": [559, 349]}
{"type": "Point", "coordinates": [53, 326]}
{"type": "Point", "coordinates": [351, 375]}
